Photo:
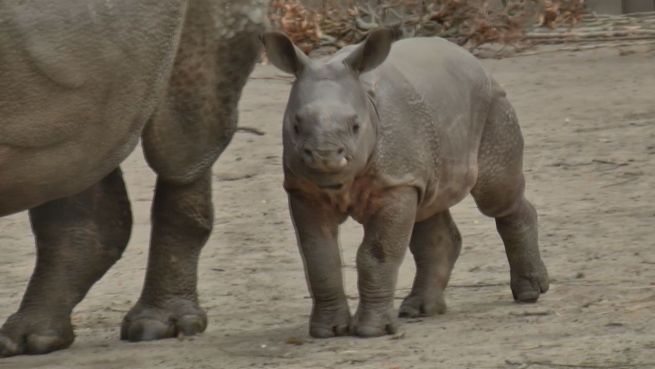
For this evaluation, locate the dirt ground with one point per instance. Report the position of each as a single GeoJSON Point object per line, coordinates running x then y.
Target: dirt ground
{"type": "Point", "coordinates": [589, 122]}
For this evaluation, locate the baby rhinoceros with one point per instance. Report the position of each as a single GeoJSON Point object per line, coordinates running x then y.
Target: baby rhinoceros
{"type": "Point", "coordinates": [394, 137]}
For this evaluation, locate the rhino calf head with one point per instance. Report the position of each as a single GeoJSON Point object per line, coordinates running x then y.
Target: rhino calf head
{"type": "Point", "coordinates": [329, 133]}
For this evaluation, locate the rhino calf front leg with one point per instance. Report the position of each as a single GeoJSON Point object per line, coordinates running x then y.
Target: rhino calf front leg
{"type": "Point", "coordinates": [317, 232]}
{"type": "Point", "coordinates": [435, 244]}
{"type": "Point", "coordinates": [386, 237]}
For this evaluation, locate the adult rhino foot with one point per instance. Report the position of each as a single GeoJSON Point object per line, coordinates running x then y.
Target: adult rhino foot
{"type": "Point", "coordinates": [416, 305]}
{"type": "Point", "coordinates": [25, 334]}
{"type": "Point", "coordinates": [527, 287]}
{"type": "Point", "coordinates": [171, 319]}
{"type": "Point", "coordinates": [374, 322]}
{"type": "Point", "coordinates": [330, 320]}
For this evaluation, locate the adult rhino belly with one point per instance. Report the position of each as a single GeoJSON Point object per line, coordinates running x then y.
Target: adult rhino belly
{"type": "Point", "coordinates": [79, 81]}
{"type": "Point", "coordinates": [58, 143]}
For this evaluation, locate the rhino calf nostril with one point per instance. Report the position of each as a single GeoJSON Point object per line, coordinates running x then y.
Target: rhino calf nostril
{"type": "Point", "coordinates": [340, 151]}
{"type": "Point", "coordinates": [308, 152]}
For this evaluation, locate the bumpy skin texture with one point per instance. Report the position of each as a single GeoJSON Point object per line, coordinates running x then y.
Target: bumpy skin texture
{"type": "Point", "coordinates": [80, 80]}
{"type": "Point", "coordinates": [190, 129]}
{"type": "Point", "coordinates": [435, 244]}
{"type": "Point", "coordinates": [98, 75]}
{"type": "Point", "coordinates": [394, 137]}
{"type": "Point", "coordinates": [78, 238]}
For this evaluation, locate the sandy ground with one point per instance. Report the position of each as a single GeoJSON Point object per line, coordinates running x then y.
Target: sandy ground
{"type": "Point", "coordinates": [589, 122]}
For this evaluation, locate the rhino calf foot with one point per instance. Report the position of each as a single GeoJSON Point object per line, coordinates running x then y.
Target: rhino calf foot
{"type": "Point", "coordinates": [23, 334]}
{"type": "Point", "coordinates": [330, 320]}
{"type": "Point", "coordinates": [172, 319]}
{"type": "Point", "coordinates": [370, 322]}
{"type": "Point", "coordinates": [527, 288]}
{"type": "Point", "coordinates": [414, 306]}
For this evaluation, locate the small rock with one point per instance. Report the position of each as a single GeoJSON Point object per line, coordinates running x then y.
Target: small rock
{"type": "Point", "coordinates": [295, 341]}
{"type": "Point", "coordinates": [398, 336]}
{"type": "Point", "coordinates": [533, 313]}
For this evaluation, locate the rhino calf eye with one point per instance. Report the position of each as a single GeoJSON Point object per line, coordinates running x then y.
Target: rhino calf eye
{"type": "Point", "coordinates": [356, 128]}
{"type": "Point", "coordinates": [296, 129]}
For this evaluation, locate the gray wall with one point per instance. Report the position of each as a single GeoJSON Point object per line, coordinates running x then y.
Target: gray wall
{"type": "Point", "coordinates": [620, 6]}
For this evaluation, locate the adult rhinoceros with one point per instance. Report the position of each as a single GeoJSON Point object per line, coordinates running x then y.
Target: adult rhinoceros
{"type": "Point", "coordinates": [80, 82]}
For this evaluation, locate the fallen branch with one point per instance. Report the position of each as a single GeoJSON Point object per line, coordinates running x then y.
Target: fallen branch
{"type": "Point", "coordinates": [274, 78]}
{"type": "Point", "coordinates": [252, 130]}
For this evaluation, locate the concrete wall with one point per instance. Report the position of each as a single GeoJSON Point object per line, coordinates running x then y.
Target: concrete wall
{"type": "Point", "coordinates": [634, 6]}
{"type": "Point", "coordinates": [620, 6]}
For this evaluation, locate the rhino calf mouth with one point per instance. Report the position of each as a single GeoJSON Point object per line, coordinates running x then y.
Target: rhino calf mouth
{"type": "Point", "coordinates": [333, 187]}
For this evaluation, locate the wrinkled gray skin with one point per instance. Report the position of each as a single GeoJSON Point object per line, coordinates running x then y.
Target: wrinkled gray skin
{"type": "Point", "coordinates": [394, 137]}
{"type": "Point", "coordinates": [80, 82]}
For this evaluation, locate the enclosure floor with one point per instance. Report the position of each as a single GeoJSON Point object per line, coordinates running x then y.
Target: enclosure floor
{"type": "Point", "coordinates": [589, 125]}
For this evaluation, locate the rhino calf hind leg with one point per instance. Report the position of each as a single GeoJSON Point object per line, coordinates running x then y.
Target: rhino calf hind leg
{"type": "Point", "coordinates": [499, 193]}
{"type": "Point", "coordinates": [518, 230]}
{"type": "Point", "coordinates": [435, 244]}
{"type": "Point", "coordinates": [78, 239]}
{"type": "Point", "coordinates": [182, 220]}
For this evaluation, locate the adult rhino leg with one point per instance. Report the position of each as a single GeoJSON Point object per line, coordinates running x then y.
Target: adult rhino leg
{"type": "Point", "coordinates": [499, 193]}
{"type": "Point", "coordinates": [188, 132]}
{"type": "Point", "coordinates": [182, 219]}
{"type": "Point", "coordinates": [435, 244]}
{"type": "Point", "coordinates": [78, 238]}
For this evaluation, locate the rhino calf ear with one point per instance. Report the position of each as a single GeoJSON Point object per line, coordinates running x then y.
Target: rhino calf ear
{"type": "Point", "coordinates": [283, 53]}
{"type": "Point", "coordinates": [373, 51]}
